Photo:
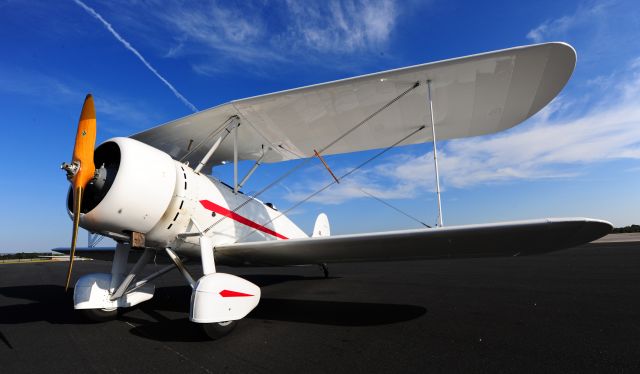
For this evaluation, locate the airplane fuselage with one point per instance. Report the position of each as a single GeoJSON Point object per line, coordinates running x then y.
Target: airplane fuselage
{"type": "Point", "coordinates": [147, 191]}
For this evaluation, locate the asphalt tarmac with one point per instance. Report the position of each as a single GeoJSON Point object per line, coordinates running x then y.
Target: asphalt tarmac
{"type": "Point", "coordinates": [576, 310]}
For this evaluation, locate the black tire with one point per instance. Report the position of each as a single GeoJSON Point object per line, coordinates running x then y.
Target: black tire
{"type": "Point", "coordinates": [218, 329]}
{"type": "Point", "coordinates": [99, 315]}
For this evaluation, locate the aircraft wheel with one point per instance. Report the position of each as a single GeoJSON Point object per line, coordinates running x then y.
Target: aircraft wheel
{"type": "Point", "coordinates": [217, 330]}
{"type": "Point", "coordinates": [99, 315]}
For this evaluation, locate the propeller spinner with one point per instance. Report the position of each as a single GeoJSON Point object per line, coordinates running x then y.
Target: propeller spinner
{"type": "Point", "coordinates": [81, 170]}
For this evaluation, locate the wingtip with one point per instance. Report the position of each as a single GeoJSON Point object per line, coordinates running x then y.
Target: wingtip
{"type": "Point", "coordinates": [594, 229]}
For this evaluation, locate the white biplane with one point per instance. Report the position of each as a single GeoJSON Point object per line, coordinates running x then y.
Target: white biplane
{"type": "Point", "coordinates": [151, 192]}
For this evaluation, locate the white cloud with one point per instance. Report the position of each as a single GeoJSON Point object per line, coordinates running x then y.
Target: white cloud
{"type": "Point", "coordinates": [35, 84]}
{"type": "Point", "coordinates": [543, 148]}
{"type": "Point", "coordinates": [342, 26]}
{"type": "Point", "coordinates": [559, 27]}
{"type": "Point", "coordinates": [349, 188]}
{"type": "Point", "coordinates": [236, 34]}
{"type": "Point", "coordinates": [540, 33]}
{"type": "Point", "coordinates": [127, 113]}
{"type": "Point", "coordinates": [548, 146]}
{"type": "Point", "coordinates": [217, 35]}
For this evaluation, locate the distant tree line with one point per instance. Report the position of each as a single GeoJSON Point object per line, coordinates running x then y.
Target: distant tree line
{"type": "Point", "coordinates": [632, 228]}
{"type": "Point", "coordinates": [22, 255]}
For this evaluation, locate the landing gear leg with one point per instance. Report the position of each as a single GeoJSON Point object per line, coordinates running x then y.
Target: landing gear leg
{"type": "Point", "coordinates": [118, 270]}
{"type": "Point", "coordinates": [98, 296]}
{"type": "Point", "coordinates": [214, 330]}
{"type": "Point", "coordinates": [218, 300]}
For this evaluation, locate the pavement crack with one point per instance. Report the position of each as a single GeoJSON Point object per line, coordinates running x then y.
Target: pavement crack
{"type": "Point", "coordinates": [5, 340]}
{"type": "Point", "coordinates": [168, 348]}
{"type": "Point", "coordinates": [186, 358]}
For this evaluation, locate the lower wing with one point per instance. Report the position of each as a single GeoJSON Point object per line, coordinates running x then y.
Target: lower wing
{"type": "Point", "coordinates": [106, 254]}
{"type": "Point", "coordinates": [496, 239]}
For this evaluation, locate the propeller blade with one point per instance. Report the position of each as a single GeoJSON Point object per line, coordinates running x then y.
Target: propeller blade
{"type": "Point", "coordinates": [85, 145]}
{"type": "Point", "coordinates": [82, 169]}
{"type": "Point", "coordinates": [77, 204]}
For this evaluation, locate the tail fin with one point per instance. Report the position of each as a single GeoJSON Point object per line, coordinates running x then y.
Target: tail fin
{"type": "Point", "coordinates": [321, 228]}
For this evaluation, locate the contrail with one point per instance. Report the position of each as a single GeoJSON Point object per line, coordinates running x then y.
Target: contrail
{"type": "Point", "coordinates": [106, 24]}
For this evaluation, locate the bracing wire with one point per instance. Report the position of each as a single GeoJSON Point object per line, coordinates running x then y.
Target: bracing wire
{"type": "Point", "coordinates": [98, 240]}
{"type": "Point", "coordinates": [345, 175]}
{"type": "Point", "coordinates": [394, 208]}
{"type": "Point", "coordinates": [321, 150]}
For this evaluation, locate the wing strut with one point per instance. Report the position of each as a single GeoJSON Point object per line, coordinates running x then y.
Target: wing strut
{"type": "Point", "coordinates": [234, 123]}
{"type": "Point", "coordinates": [305, 161]}
{"type": "Point", "coordinates": [253, 168]}
{"type": "Point", "coordinates": [235, 158]}
{"type": "Point", "coordinates": [345, 175]}
{"type": "Point", "coordinates": [435, 153]}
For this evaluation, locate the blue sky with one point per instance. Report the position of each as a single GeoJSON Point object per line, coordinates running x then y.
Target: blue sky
{"type": "Point", "coordinates": [578, 157]}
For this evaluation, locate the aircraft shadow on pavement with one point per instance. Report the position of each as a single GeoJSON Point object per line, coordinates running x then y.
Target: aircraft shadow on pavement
{"type": "Point", "coordinates": [45, 302]}
{"type": "Point", "coordinates": [336, 313]}
{"type": "Point", "coordinates": [323, 312]}
{"type": "Point", "coordinates": [51, 304]}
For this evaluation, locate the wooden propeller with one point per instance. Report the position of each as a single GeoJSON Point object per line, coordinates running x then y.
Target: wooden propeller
{"type": "Point", "coordinates": [81, 170]}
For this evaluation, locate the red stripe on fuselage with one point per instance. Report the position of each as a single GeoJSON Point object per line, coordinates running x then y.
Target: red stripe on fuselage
{"type": "Point", "coordinates": [235, 216]}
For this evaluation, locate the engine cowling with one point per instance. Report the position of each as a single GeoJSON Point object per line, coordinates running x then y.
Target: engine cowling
{"type": "Point", "coordinates": [134, 187]}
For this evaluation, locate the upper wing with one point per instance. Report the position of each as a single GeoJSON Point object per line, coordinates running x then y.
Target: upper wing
{"type": "Point", "coordinates": [472, 95]}
{"type": "Point", "coordinates": [496, 239]}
